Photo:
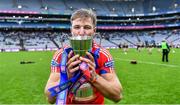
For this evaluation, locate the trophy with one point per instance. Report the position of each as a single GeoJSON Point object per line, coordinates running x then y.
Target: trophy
{"type": "Point", "coordinates": [81, 44]}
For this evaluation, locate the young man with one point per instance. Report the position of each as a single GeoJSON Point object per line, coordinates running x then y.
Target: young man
{"type": "Point", "coordinates": [106, 82]}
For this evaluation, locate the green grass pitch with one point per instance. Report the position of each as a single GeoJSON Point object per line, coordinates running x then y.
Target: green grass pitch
{"type": "Point", "coordinates": [150, 81]}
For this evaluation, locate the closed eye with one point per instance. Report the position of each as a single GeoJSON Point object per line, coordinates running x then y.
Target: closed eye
{"type": "Point", "coordinates": [87, 27]}
{"type": "Point", "coordinates": [76, 27]}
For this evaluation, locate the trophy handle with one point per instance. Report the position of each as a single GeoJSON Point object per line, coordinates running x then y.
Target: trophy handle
{"type": "Point", "coordinates": [98, 36]}
{"type": "Point", "coordinates": [63, 39]}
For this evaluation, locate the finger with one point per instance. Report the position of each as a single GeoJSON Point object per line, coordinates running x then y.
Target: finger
{"type": "Point", "coordinates": [90, 56]}
{"type": "Point", "coordinates": [92, 63]}
{"type": "Point", "coordinates": [87, 61]}
{"type": "Point", "coordinates": [72, 59]}
{"type": "Point", "coordinates": [74, 69]}
{"type": "Point", "coordinates": [71, 65]}
{"type": "Point", "coordinates": [91, 67]}
{"type": "Point", "coordinates": [70, 54]}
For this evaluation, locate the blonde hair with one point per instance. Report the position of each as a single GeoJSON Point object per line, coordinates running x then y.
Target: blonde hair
{"type": "Point", "coordinates": [83, 14]}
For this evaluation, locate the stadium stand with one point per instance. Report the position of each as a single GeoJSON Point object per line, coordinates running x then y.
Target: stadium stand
{"type": "Point", "coordinates": [52, 40]}
{"type": "Point", "coordinates": [41, 24]}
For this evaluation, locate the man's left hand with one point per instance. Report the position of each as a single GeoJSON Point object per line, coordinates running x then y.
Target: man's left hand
{"type": "Point", "coordinates": [91, 64]}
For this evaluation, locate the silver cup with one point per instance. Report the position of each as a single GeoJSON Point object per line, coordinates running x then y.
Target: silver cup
{"type": "Point", "coordinates": [81, 44]}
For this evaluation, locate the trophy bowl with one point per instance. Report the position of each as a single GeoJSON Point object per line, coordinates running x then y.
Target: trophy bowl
{"type": "Point", "coordinates": [81, 44]}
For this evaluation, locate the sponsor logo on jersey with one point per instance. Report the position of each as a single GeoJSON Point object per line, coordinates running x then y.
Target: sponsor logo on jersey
{"type": "Point", "coordinates": [109, 64]}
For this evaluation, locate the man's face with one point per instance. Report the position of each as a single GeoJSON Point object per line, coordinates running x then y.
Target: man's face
{"type": "Point", "coordinates": [82, 27]}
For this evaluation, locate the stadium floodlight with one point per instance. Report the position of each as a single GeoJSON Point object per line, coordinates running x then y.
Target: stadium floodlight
{"type": "Point", "coordinates": [46, 7]}
{"type": "Point", "coordinates": [19, 6]}
{"type": "Point", "coordinates": [154, 8]}
{"type": "Point", "coordinates": [132, 10]}
{"type": "Point", "coordinates": [113, 9]}
{"type": "Point", "coordinates": [175, 5]}
{"type": "Point", "coordinates": [71, 7]}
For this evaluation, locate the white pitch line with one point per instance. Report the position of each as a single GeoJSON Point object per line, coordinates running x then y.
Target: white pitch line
{"type": "Point", "coordinates": [152, 63]}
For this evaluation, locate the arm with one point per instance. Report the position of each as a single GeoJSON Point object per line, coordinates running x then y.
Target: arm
{"type": "Point", "coordinates": [52, 81]}
{"type": "Point", "coordinates": [107, 84]}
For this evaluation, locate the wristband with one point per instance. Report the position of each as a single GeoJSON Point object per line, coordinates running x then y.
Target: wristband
{"type": "Point", "coordinates": [94, 78]}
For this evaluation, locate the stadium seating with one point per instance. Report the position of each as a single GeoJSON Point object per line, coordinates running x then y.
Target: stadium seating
{"type": "Point", "coordinates": [112, 15]}
{"type": "Point", "coordinates": [47, 40]}
{"type": "Point", "coordinates": [102, 8]}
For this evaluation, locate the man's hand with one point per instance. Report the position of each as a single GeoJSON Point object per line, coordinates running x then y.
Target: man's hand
{"type": "Point", "coordinates": [90, 61]}
{"type": "Point", "coordinates": [91, 67]}
{"type": "Point", "coordinates": [72, 64]}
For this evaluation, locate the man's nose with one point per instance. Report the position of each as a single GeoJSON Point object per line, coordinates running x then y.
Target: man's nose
{"type": "Point", "coordinates": [81, 31]}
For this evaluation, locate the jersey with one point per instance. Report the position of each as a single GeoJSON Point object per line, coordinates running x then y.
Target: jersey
{"type": "Point", "coordinates": [86, 93]}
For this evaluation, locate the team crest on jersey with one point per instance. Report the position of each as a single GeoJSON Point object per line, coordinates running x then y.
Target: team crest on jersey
{"type": "Point", "coordinates": [109, 64]}
{"type": "Point", "coordinates": [54, 63]}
